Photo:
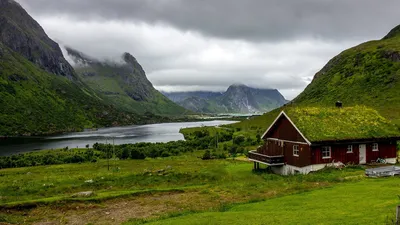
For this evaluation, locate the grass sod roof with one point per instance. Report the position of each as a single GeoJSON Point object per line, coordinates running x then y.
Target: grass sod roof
{"type": "Point", "coordinates": [335, 124]}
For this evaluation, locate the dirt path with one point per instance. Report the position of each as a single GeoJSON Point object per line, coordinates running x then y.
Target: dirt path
{"type": "Point", "coordinates": [121, 210]}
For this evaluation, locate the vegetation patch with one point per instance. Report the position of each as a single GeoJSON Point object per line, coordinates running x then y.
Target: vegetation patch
{"type": "Point", "coordinates": [358, 122]}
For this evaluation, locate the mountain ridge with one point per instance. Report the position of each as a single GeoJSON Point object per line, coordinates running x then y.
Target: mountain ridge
{"type": "Point", "coordinates": [238, 98]}
{"type": "Point", "coordinates": [123, 82]}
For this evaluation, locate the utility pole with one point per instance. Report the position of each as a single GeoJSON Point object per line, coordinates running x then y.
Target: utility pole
{"type": "Point", "coordinates": [108, 155]}
{"type": "Point", "coordinates": [217, 139]}
{"type": "Point", "coordinates": [114, 152]}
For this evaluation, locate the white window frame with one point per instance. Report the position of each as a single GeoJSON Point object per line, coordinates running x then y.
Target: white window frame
{"type": "Point", "coordinates": [324, 148]}
{"type": "Point", "coordinates": [296, 150]}
{"type": "Point", "coordinates": [375, 147]}
{"type": "Point", "coordinates": [349, 149]}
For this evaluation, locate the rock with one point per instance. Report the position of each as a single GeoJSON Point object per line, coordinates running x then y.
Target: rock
{"type": "Point", "coordinates": [83, 194]}
{"type": "Point", "coordinates": [21, 33]}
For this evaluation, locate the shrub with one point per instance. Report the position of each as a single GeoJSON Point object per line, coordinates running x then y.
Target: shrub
{"type": "Point", "coordinates": [239, 140]}
{"type": "Point", "coordinates": [206, 155]}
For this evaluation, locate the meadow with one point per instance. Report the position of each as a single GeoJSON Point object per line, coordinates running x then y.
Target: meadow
{"type": "Point", "coordinates": [182, 189]}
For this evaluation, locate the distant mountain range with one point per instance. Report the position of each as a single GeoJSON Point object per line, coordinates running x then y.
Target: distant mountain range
{"type": "Point", "coordinates": [238, 98]}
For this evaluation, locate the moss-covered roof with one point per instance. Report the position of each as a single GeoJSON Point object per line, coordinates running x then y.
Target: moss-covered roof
{"type": "Point", "coordinates": [335, 124]}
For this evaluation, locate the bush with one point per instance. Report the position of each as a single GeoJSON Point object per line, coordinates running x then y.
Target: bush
{"type": "Point", "coordinates": [206, 155]}
{"type": "Point", "coordinates": [239, 140]}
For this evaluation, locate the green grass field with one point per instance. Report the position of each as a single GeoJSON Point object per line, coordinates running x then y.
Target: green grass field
{"type": "Point", "coordinates": [158, 187]}
{"type": "Point", "coordinates": [185, 189]}
{"type": "Point", "coordinates": [371, 201]}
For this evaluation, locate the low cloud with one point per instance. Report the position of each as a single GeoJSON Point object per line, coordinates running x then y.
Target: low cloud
{"type": "Point", "coordinates": [187, 45]}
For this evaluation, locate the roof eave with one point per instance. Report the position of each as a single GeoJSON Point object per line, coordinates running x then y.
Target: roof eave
{"type": "Point", "coordinates": [354, 140]}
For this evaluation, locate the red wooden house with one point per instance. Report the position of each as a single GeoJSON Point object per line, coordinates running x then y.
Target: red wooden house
{"type": "Point", "coordinates": [301, 140]}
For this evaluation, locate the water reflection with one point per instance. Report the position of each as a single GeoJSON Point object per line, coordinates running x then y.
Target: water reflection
{"type": "Point", "coordinates": [123, 135]}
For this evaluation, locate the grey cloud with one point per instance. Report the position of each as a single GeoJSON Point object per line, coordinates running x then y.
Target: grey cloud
{"type": "Point", "coordinates": [254, 20]}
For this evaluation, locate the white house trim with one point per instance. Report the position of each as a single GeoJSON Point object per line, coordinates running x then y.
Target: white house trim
{"type": "Point", "coordinates": [277, 164]}
{"type": "Point", "coordinates": [287, 117]}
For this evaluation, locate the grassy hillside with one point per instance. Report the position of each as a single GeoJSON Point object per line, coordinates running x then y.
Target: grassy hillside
{"type": "Point", "coordinates": [112, 88]}
{"type": "Point", "coordinates": [124, 84]}
{"type": "Point", "coordinates": [367, 74]}
{"type": "Point", "coordinates": [33, 101]}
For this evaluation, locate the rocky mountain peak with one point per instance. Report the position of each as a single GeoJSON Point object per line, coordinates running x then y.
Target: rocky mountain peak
{"type": "Point", "coordinates": [6, 2]}
{"type": "Point", "coordinates": [128, 58]}
{"type": "Point", "coordinates": [22, 34]}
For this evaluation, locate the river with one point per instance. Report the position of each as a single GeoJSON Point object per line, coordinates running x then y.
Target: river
{"type": "Point", "coordinates": [163, 132]}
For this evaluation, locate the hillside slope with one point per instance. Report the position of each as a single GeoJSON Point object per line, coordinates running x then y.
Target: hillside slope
{"type": "Point", "coordinates": [367, 74]}
{"type": "Point", "coordinates": [40, 93]}
{"type": "Point", "coordinates": [124, 83]}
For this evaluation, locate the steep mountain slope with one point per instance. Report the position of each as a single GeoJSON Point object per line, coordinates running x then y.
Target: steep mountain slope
{"type": "Point", "coordinates": [124, 83]}
{"type": "Point", "coordinates": [39, 91]}
{"type": "Point", "coordinates": [367, 74]}
{"type": "Point", "coordinates": [181, 96]}
{"type": "Point", "coordinates": [238, 98]}
{"type": "Point", "coordinates": [244, 99]}
{"type": "Point", "coordinates": [22, 34]}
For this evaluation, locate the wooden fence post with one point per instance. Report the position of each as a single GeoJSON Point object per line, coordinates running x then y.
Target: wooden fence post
{"type": "Point", "coordinates": [398, 215]}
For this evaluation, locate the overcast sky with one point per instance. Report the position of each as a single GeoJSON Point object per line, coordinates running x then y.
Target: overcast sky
{"type": "Point", "coordinates": [209, 44]}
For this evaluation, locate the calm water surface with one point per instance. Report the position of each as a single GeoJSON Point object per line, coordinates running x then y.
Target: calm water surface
{"type": "Point", "coordinates": [163, 132]}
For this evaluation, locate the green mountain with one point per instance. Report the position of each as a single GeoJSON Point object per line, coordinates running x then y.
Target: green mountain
{"type": "Point", "coordinates": [40, 93]}
{"type": "Point", "coordinates": [124, 83]}
{"type": "Point", "coordinates": [367, 74]}
{"type": "Point", "coordinates": [238, 98]}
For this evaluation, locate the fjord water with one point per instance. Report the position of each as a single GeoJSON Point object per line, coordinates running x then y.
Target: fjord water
{"type": "Point", "coordinates": [163, 132]}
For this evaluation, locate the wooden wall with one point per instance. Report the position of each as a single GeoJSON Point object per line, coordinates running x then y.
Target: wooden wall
{"type": "Point", "coordinates": [339, 153]}
{"type": "Point", "coordinates": [284, 130]}
{"type": "Point", "coordinates": [304, 158]}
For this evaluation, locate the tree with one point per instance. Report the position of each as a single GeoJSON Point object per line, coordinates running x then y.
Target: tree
{"type": "Point", "coordinates": [233, 151]}
{"type": "Point", "coordinates": [126, 153]}
{"type": "Point", "coordinates": [136, 154]}
{"type": "Point", "coordinates": [238, 140]}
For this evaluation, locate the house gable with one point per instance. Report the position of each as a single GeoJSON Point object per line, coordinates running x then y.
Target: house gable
{"type": "Point", "coordinates": [284, 129]}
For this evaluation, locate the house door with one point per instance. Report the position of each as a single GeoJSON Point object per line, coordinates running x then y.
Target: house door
{"type": "Point", "coordinates": [363, 154]}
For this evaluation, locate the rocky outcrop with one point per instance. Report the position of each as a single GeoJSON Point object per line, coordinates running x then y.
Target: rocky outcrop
{"type": "Point", "coordinates": [22, 34]}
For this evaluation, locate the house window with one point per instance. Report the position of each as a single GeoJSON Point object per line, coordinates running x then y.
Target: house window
{"type": "Point", "coordinates": [375, 147]}
{"type": "Point", "coordinates": [295, 150]}
{"type": "Point", "coordinates": [349, 148]}
{"type": "Point", "coordinates": [326, 152]}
